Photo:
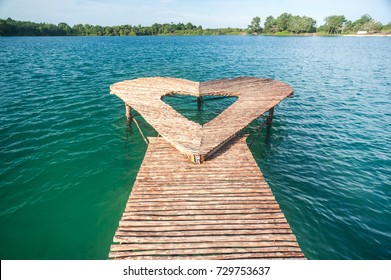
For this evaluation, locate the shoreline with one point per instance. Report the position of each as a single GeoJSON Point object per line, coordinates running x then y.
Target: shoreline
{"type": "Point", "coordinates": [366, 35]}
{"type": "Point", "coordinates": [326, 35]}
{"type": "Point", "coordinates": [192, 35]}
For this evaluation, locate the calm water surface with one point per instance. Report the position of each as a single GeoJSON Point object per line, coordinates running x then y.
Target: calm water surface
{"type": "Point", "coordinates": [68, 159]}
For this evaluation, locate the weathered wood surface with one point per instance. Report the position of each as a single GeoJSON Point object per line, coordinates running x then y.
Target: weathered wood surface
{"type": "Point", "coordinates": [255, 97]}
{"type": "Point", "coordinates": [221, 209]}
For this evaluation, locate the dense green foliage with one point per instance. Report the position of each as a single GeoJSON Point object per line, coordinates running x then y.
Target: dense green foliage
{"type": "Point", "coordinates": [291, 23]}
{"type": "Point", "coordinates": [365, 23]}
{"type": "Point", "coordinates": [255, 26]}
{"type": "Point", "coordinates": [333, 24]}
{"type": "Point", "coordinates": [340, 25]}
{"type": "Point", "coordinates": [10, 27]}
{"type": "Point", "coordinates": [284, 24]}
{"type": "Point", "coordinates": [288, 24]}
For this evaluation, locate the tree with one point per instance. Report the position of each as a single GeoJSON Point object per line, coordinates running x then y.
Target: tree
{"type": "Point", "coordinates": [294, 24]}
{"type": "Point", "coordinates": [334, 24]}
{"type": "Point", "coordinates": [189, 26]}
{"type": "Point", "coordinates": [270, 24]}
{"type": "Point", "coordinates": [366, 23]}
{"type": "Point", "coordinates": [255, 26]}
{"type": "Point", "coordinates": [386, 28]}
{"type": "Point", "coordinates": [309, 24]}
{"type": "Point", "coordinates": [363, 20]}
{"type": "Point", "coordinates": [372, 26]}
{"type": "Point", "coordinates": [67, 30]}
{"type": "Point", "coordinates": [282, 21]}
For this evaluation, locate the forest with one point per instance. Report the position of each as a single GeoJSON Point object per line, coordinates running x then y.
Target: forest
{"type": "Point", "coordinates": [284, 24]}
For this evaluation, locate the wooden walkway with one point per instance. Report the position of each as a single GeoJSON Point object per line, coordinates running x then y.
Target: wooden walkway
{"type": "Point", "coordinates": [255, 97]}
{"type": "Point", "coordinates": [220, 209]}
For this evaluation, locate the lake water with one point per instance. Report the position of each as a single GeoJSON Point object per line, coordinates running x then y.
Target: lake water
{"type": "Point", "coordinates": [68, 160]}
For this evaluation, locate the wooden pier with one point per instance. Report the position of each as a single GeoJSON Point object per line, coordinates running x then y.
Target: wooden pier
{"type": "Point", "coordinates": [220, 209]}
{"type": "Point", "coordinates": [255, 97]}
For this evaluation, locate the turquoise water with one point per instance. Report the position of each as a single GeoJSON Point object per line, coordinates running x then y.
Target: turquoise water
{"type": "Point", "coordinates": [209, 108]}
{"type": "Point", "coordinates": [68, 159]}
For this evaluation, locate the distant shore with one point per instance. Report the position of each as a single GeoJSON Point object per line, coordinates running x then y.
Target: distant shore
{"type": "Point", "coordinates": [367, 35]}
{"type": "Point", "coordinates": [294, 26]}
{"type": "Point", "coordinates": [325, 35]}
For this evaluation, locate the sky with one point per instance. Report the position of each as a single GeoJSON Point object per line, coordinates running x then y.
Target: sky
{"type": "Point", "coordinates": [209, 14]}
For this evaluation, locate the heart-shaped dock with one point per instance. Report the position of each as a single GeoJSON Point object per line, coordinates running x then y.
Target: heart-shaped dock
{"type": "Point", "coordinates": [255, 97]}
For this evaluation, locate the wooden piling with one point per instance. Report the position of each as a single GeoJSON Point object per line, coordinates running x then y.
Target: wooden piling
{"type": "Point", "coordinates": [199, 101]}
{"type": "Point", "coordinates": [128, 112]}
{"type": "Point", "coordinates": [269, 120]}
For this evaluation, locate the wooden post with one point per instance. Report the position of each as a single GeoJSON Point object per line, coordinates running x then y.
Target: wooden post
{"type": "Point", "coordinates": [199, 101]}
{"type": "Point", "coordinates": [128, 112]}
{"type": "Point", "coordinates": [270, 117]}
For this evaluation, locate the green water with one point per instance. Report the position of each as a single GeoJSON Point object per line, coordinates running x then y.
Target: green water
{"type": "Point", "coordinates": [68, 159]}
{"type": "Point", "coordinates": [199, 111]}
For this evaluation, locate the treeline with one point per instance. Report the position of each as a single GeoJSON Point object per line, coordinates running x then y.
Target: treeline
{"type": "Point", "coordinates": [10, 27]}
{"type": "Point", "coordinates": [336, 24]}
{"type": "Point", "coordinates": [284, 24]}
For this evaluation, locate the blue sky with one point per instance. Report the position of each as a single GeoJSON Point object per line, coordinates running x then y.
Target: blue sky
{"type": "Point", "coordinates": [218, 13]}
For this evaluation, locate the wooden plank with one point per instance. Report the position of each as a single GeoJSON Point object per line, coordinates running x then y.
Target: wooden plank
{"type": "Point", "coordinates": [206, 251]}
{"type": "Point", "coordinates": [190, 232]}
{"type": "Point", "coordinates": [193, 185]}
{"type": "Point", "coordinates": [157, 191]}
{"type": "Point", "coordinates": [157, 207]}
{"type": "Point", "coordinates": [222, 167]}
{"type": "Point", "coordinates": [274, 255]}
{"type": "Point", "coordinates": [227, 222]}
{"type": "Point", "coordinates": [179, 203]}
{"type": "Point", "coordinates": [202, 199]}
{"type": "Point", "coordinates": [197, 186]}
{"type": "Point", "coordinates": [195, 195]}
{"type": "Point", "coordinates": [192, 227]}
{"type": "Point", "coordinates": [249, 170]}
{"type": "Point", "coordinates": [201, 239]}
{"type": "Point", "coordinates": [126, 217]}
{"type": "Point", "coordinates": [199, 212]}
{"type": "Point", "coordinates": [214, 244]}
